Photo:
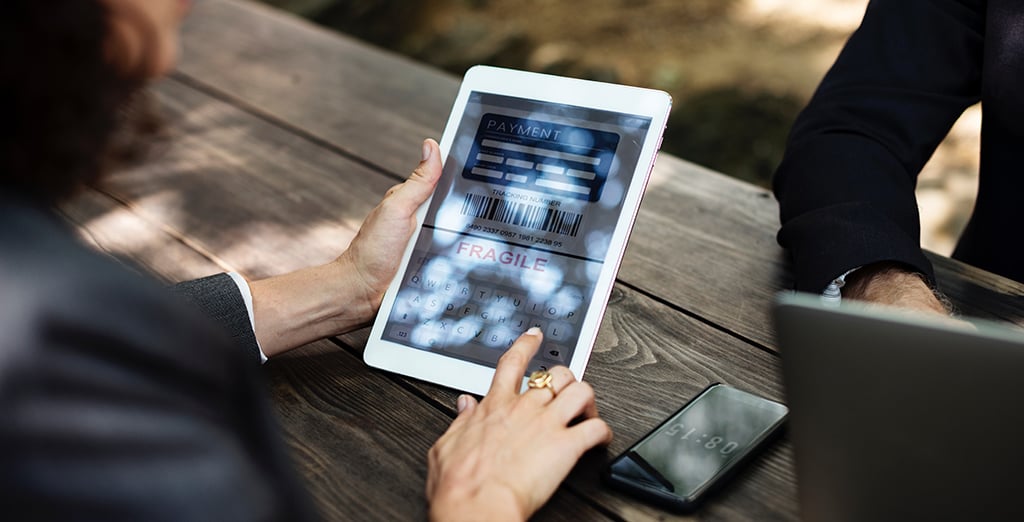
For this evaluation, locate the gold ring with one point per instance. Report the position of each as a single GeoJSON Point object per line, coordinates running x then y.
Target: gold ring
{"type": "Point", "coordinates": [541, 379]}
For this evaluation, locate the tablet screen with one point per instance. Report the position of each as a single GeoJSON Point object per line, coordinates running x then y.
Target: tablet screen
{"type": "Point", "coordinates": [518, 229]}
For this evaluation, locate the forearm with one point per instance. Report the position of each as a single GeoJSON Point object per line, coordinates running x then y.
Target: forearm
{"type": "Point", "coordinates": [846, 184]}
{"type": "Point", "coordinates": [892, 284]}
{"type": "Point", "coordinates": [310, 304]}
{"type": "Point", "coordinates": [484, 503]}
{"type": "Point", "coordinates": [303, 306]}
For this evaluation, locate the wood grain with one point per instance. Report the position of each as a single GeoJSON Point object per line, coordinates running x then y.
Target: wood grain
{"type": "Point", "coordinates": [282, 137]}
{"type": "Point", "coordinates": [361, 440]}
{"type": "Point", "coordinates": [703, 242]}
{"type": "Point", "coordinates": [358, 438]}
{"type": "Point", "coordinates": [372, 104]}
{"type": "Point", "coordinates": [647, 361]}
{"type": "Point", "coordinates": [263, 198]}
{"type": "Point", "coordinates": [649, 357]}
{"type": "Point", "coordinates": [110, 227]}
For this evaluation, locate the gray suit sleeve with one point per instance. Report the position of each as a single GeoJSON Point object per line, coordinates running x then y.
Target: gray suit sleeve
{"type": "Point", "coordinates": [123, 405]}
{"type": "Point", "coordinates": [218, 298]}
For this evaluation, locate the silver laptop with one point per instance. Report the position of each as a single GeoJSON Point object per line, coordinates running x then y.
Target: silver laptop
{"type": "Point", "coordinates": [896, 417]}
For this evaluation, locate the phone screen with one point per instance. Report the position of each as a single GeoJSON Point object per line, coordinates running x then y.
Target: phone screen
{"type": "Point", "coordinates": [684, 455]}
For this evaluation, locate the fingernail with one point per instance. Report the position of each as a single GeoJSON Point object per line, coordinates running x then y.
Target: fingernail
{"type": "Point", "coordinates": [462, 402]}
{"type": "Point", "coordinates": [427, 149]}
{"type": "Point", "coordinates": [533, 331]}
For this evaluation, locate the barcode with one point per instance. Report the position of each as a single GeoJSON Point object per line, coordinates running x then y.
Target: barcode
{"type": "Point", "coordinates": [528, 216]}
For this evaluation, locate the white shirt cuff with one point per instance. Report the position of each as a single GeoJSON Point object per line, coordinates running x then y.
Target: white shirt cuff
{"type": "Point", "coordinates": [243, 288]}
{"type": "Point", "coordinates": [832, 295]}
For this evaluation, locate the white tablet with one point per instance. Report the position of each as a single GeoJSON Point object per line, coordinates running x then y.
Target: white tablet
{"type": "Point", "coordinates": [542, 180]}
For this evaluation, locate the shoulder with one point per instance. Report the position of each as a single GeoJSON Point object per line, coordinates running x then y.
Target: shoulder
{"type": "Point", "coordinates": [58, 297]}
{"type": "Point", "coordinates": [130, 390]}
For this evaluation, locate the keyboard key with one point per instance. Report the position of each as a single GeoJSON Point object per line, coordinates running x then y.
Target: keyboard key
{"type": "Point", "coordinates": [559, 331]}
{"type": "Point", "coordinates": [477, 314]}
{"type": "Point", "coordinates": [534, 306]}
{"type": "Point", "coordinates": [551, 311]}
{"type": "Point", "coordinates": [566, 305]}
{"type": "Point", "coordinates": [466, 310]}
{"type": "Point", "coordinates": [433, 304]}
{"type": "Point", "coordinates": [498, 337]}
{"type": "Point", "coordinates": [465, 331]}
{"type": "Point", "coordinates": [519, 323]}
{"type": "Point", "coordinates": [482, 294]}
{"type": "Point", "coordinates": [425, 335]}
{"type": "Point", "coordinates": [555, 353]}
{"type": "Point", "coordinates": [413, 281]}
{"type": "Point", "coordinates": [404, 310]}
{"type": "Point", "coordinates": [500, 297]}
{"type": "Point", "coordinates": [538, 364]}
{"type": "Point", "coordinates": [400, 332]}
{"type": "Point", "coordinates": [518, 302]}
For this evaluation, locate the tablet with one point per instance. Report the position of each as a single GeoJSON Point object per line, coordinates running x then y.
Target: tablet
{"type": "Point", "coordinates": [542, 180]}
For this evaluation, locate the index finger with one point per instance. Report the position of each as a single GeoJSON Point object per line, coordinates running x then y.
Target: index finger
{"type": "Point", "coordinates": [508, 375]}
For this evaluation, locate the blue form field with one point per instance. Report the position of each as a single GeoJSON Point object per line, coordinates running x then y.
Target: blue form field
{"type": "Point", "coordinates": [545, 157]}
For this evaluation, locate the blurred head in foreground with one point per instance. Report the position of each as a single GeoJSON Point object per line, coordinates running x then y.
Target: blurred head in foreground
{"type": "Point", "coordinates": [68, 70]}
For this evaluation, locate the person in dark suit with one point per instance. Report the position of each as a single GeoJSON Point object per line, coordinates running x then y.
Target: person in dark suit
{"type": "Point", "coordinates": [846, 184]}
{"type": "Point", "coordinates": [123, 400]}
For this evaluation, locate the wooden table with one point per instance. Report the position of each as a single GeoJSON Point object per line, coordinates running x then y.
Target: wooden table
{"type": "Point", "coordinates": [282, 136]}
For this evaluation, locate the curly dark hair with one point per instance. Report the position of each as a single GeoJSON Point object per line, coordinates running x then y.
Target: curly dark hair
{"type": "Point", "coordinates": [61, 98]}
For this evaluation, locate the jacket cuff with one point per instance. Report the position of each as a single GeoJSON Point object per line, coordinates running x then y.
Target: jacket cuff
{"type": "Point", "coordinates": [829, 241]}
{"type": "Point", "coordinates": [220, 298]}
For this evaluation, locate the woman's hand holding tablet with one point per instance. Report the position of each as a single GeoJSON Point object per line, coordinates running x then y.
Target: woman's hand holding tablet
{"type": "Point", "coordinates": [542, 180]}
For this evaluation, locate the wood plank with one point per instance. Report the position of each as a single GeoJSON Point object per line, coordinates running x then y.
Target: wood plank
{"type": "Point", "coordinates": [270, 47]}
{"type": "Point", "coordinates": [215, 165]}
{"type": "Point", "coordinates": [361, 440]}
{"type": "Point", "coordinates": [280, 203]}
{"type": "Point", "coordinates": [358, 439]}
{"type": "Point", "coordinates": [719, 263]}
{"type": "Point", "coordinates": [330, 84]}
{"type": "Point", "coordinates": [359, 464]}
{"type": "Point", "coordinates": [733, 223]}
{"type": "Point", "coordinates": [977, 293]}
{"type": "Point", "coordinates": [263, 198]}
{"type": "Point", "coordinates": [142, 246]}
{"type": "Point", "coordinates": [653, 365]}
{"type": "Point", "coordinates": [648, 359]}
{"type": "Point", "coordinates": [706, 243]}
{"type": "Point", "coordinates": [755, 491]}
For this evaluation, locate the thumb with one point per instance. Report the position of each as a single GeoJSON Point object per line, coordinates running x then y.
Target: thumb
{"type": "Point", "coordinates": [423, 179]}
{"type": "Point", "coordinates": [465, 405]}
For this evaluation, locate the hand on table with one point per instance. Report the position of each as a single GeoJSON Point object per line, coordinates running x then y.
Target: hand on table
{"type": "Point", "coordinates": [502, 458]}
{"type": "Point", "coordinates": [317, 302]}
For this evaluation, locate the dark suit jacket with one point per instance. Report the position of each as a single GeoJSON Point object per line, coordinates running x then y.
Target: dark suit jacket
{"type": "Point", "coordinates": [119, 401]}
{"type": "Point", "coordinates": [846, 184]}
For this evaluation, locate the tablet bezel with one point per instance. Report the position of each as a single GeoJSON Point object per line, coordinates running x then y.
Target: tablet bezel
{"type": "Point", "coordinates": [475, 378]}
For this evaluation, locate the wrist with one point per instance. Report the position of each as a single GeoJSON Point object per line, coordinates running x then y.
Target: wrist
{"type": "Point", "coordinates": [893, 284]}
{"type": "Point", "coordinates": [361, 299]}
{"type": "Point", "coordinates": [306, 305]}
{"type": "Point", "coordinates": [484, 503]}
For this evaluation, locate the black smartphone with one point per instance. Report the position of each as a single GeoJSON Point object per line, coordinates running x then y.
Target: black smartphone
{"type": "Point", "coordinates": [689, 455]}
